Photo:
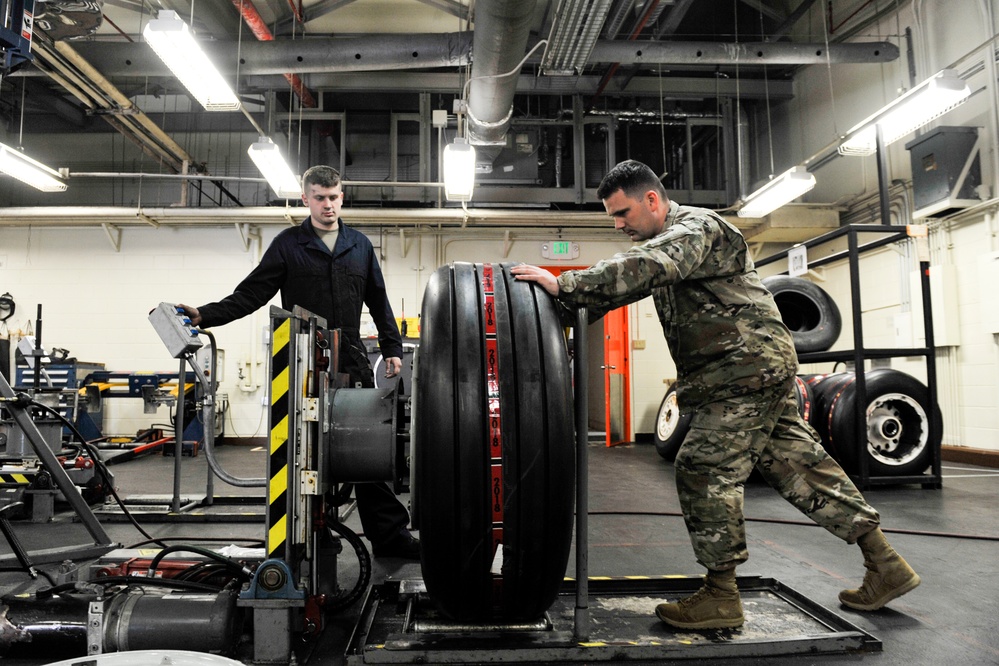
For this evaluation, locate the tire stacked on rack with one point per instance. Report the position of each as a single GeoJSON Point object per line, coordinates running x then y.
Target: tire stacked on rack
{"type": "Point", "coordinates": [494, 447]}
{"type": "Point", "coordinates": [672, 425]}
{"type": "Point", "coordinates": [899, 439]}
{"type": "Point", "coordinates": [807, 310]}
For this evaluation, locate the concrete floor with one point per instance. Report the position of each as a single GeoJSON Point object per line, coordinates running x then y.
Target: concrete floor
{"type": "Point", "coordinates": [949, 536]}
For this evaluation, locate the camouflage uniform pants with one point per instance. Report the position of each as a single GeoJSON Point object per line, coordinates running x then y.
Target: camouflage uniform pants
{"type": "Point", "coordinates": [727, 439]}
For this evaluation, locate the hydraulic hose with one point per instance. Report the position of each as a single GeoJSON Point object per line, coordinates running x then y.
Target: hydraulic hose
{"type": "Point", "coordinates": [98, 464]}
{"type": "Point", "coordinates": [208, 420]}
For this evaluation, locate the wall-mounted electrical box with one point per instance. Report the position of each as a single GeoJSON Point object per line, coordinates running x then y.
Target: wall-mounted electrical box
{"type": "Point", "coordinates": [946, 170]}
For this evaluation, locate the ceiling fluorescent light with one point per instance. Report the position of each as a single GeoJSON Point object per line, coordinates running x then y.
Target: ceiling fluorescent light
{"type": "Point", "coordinates": [173, 42]}
{"type": "Point", "coordinates": [459, 170]}
{"type": "Point", "coordinates": [930, 99]}
{"type": "Point", "coordinates": [16, 164]}
{"type": "Point", "coordinates": [267, 156]}
{"type": "Point", "coordinates": [784, 188]}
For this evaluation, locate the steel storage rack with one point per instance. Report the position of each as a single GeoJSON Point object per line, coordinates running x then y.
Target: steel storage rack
{"type": "Point", "coordinates": [886, 235]}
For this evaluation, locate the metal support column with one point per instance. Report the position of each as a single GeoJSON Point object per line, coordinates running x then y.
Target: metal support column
{"type": "Point", "coordinates": [581, 616]}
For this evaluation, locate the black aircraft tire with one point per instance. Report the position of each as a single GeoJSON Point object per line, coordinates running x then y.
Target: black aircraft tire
{"type": "Point", "coordinates": [825, 393]}
{"type": "Point", "coordinates": [899, 441]}
{"type": "Point", "coordinates": [671, 426]}
{"type": "Point", "coordinates": [495, 456]}
{"type": "Point", "coordinates": [807, 310]}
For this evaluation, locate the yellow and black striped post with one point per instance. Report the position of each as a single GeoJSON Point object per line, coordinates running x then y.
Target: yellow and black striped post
{"type": "Point", "coordinates": [277, 461]}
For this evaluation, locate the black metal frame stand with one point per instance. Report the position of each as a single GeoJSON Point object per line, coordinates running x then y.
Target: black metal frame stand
{"type": "Point", "coordinates": [888, 234]}
{"type": "Point", "coordinates": [102, 542]}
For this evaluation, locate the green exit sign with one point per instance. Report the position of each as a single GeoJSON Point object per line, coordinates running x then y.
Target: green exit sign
{"type": "Point", "coordinates": [560, 250]}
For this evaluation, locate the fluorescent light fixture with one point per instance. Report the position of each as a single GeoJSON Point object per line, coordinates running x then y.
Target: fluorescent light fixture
{"type": "Point", "coordinates": [173, 42]}
{"type": "Point", "coordinates": [16, 164]}
{"type": "Point", "coordinates": [459, 170]}
{"type": "Point", "coordinates": [784, 188]}
{"type": "Point", "coordinates": [930, 99]}
{"type": "Point", "coordinates": [267, 156]}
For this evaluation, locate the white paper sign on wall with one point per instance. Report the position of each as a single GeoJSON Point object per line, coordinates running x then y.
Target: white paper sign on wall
{"type": "Point", "coordinates": [797, 261]}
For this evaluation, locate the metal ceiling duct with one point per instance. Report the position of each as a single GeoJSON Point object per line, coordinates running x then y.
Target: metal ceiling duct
{"type": "Point", "coordinates": [745, 53]}
{"type": "Point", "coordinates": [362, 53]}
{"type": "Point", "coordinates": [390, 52]}
{"type": "Point", "coordinates": [502, 28]}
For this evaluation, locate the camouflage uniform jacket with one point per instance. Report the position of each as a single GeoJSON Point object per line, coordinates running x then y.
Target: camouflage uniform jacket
{"type": "Point", "coordinates": [723, 328]}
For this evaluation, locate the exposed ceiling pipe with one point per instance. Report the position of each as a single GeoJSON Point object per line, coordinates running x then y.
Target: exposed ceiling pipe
{"type": "Point", "coordinates": [502, 28]}
{"type": "Point", "coordinates": [374, 52]}
{"type": "Point", "coordinates": [431, 218]}
{"type": "Point", "coordinates": [745, 53]}
{"type": "Point", "coordinates": [260, 30]}
{"type": "Point", "coordinates": [398, 52]}
{"type": "Point", "coordinates": [89, 216]}
{"type": "Point", "coordinates": [297, 11]}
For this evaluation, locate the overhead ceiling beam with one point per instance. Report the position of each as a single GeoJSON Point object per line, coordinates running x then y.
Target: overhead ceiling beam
{"type": "Point", "coordinates": [793, 18]}
{"type": "Point", "coordinates": [286, 26]}
{"type": "Point", "coordinates": [765, 9]}
{"type": "Point", "coordinates": [451, 7]}
{"type": "Point", "coordinates": [676, 14]}
{"type": "Point", "coordinates": [433, 219]}
{"type": "Point", "coordinates": [65, 66]}
{"type": "Point", "coordinates": [215, 19]}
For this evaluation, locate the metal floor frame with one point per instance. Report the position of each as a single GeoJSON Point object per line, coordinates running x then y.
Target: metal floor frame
{"type": "Point", "coordinates": [399, 625]}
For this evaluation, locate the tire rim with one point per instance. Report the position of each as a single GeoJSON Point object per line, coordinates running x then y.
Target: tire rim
{"type": "Point", "coordinates": [669, 417]}
{"type": "Point", "coordinates": [897, 429]}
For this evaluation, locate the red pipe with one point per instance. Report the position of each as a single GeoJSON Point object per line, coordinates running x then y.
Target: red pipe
{"type": "Point", "coordinates": [260, 30]}
{"type": "Point", "coordinates": [152, 445]}
{"type": "Point", "coordinates": [133, 453]}
{"type": "Point", "coordinates": [297, 11]}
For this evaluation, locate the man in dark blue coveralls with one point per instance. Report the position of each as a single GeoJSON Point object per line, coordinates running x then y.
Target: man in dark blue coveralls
{"type": "Point", "coordinates": [331, 270]}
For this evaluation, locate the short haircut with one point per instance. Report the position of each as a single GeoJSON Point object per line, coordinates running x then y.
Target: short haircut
{"type": "Point", "coordinates": [633, 178]}
{"type": "Point", "coordinates": [322, 175]}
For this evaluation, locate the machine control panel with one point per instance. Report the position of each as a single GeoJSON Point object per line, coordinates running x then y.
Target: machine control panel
{"type": "Point", "coordinates": [175, 329]}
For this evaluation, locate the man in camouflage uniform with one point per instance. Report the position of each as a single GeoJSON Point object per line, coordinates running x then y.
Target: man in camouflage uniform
{"type": "Point", "coordinates": [736, 364]}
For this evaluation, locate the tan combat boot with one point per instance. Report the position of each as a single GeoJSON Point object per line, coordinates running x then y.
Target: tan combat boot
{"type": "Point", "coordinates": [715, 606]}
{"type": "Point", "coordinates": [888, 575]}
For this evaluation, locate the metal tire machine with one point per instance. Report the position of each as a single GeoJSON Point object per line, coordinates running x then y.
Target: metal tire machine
{"type": "Point", "coordinates": [323, 434]}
